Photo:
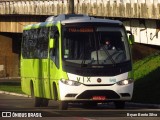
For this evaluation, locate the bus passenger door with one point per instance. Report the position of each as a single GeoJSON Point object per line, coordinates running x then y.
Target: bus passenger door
{"type": "Point", "coordinates": [46, 78]}
{"type": "Point", "coordinates": [43, 70]}
{"type": "Point", "coordinates": [54, 62]}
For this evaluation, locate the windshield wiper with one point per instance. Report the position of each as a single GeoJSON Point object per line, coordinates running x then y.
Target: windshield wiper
{"type": "Point", "coordinates": [83, 56]}
{"type": "Point", "coordinates": [109, 56]}
{"type": "Point", "coordinates": [83, 63]}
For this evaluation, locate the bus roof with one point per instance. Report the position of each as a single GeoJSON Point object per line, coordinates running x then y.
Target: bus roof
{"type": "Point", "coordinates": [76, 18]}
{"type": "Point", "coordinates": [91, 19]}
{"type": "Point", "coordinates": [38, 25]}
{"type": "Point", "coordinates": [70, 18]}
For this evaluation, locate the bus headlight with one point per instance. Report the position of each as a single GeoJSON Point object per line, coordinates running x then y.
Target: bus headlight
{"type": "Point", "coordinates": [70, 82]}
{"type": "Point", "coordinates": [125, 82]}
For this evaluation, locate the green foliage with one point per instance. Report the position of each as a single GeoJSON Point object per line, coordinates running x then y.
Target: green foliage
{"type": "Point", "coordinates": [11, 87]}
{"type": "Point", "coordinates": [147, 79]}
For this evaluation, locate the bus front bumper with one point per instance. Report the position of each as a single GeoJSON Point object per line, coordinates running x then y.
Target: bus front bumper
{"type": "Point", "coordinates": [98, 93]}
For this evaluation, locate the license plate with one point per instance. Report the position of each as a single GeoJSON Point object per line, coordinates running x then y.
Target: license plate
{"type": "Point", "coordinates": [99, 97]}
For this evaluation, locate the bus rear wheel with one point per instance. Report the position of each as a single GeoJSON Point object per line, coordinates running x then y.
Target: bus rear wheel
{"type": "Point", "coordinates": [44, 102]}
{"type": "Point", "coordinates": [40, 102]}
{"type": "Point", "coordinates": [63, 105]}
{"type": "Point", "coordinates": [37, 101]}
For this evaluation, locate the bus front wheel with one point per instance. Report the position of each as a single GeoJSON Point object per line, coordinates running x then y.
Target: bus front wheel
{"type": "Point", "coordinates": [63, 105]}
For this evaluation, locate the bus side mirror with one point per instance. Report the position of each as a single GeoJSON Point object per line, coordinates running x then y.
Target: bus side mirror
{"type": "Point", "coordinates": [52, 43]}
{"type": "Point", "coordinates": [131, 37]}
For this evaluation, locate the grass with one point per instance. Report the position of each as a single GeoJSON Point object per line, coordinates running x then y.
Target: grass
{"type": "Point", "coordinates": [11, 87]}
{"type": "Point", "coordinates": [147, 80]}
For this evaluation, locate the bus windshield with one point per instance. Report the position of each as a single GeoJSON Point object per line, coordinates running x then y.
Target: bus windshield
{"type": "Point", "coordinates": [95, 45]}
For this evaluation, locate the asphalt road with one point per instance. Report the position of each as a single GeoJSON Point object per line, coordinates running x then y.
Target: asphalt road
{"type": "Point", "coordinates": [18, 107]}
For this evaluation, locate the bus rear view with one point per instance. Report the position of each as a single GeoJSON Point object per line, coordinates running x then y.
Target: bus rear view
{"type": "Point", "coordinates": [87, 60]}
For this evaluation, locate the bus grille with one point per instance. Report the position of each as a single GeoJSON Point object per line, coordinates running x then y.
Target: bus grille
{"type": "Point", "coordinates": [88, 94]}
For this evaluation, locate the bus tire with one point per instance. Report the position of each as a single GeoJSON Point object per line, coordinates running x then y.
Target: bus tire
{"type": "Point", "coordinates": [37, 101]}
{"type": "Point", "coordinates": [119, 104]}
{"type": "Point", "coordinates": [55, 93]}
{"type": "Point", "coordinates": [32, 89]}
{"type": "Point", "coordinates": [44, 102]}
{"type": "Point", "coordinates": [41, 102]}
{"type": "Point", "coordinates": [63, 105]}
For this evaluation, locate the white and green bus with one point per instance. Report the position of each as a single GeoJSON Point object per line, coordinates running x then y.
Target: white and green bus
{"type": "Point", "coordinates": [67, 59]}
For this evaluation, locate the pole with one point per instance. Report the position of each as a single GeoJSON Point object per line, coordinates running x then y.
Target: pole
{"type": "Point", "coordinates": [71, 7]}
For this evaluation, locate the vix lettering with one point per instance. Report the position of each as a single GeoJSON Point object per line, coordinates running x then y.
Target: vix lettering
{"type": "Point", "coordinates": [88, 79]}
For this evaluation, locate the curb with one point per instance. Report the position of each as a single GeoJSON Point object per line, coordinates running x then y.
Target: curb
{"type": "Point", "coordinates": [152, 106]}
{"type": "Point", "coordinates": [15, 94]}
{"type": "Point", "coordinates": [10, 78]}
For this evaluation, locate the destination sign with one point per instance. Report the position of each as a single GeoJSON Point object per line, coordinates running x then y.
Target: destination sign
{"type": "Point", "coordinates": [85, 29]}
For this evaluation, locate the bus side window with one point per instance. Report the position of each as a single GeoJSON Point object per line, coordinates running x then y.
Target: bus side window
{"type": "Point", "coordinates": [42, 43]}
{"type": "Point", "coordinates": [29, 43]}
{"type": "Point", "coordinates": [54, 52]}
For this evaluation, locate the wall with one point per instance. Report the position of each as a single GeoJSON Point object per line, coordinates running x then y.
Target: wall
{"type": "Point", "coordinates": [15, 23]}
{"type": "Point", "coordinates": [145, 31]}
{"type": "Point", "coordinates": [8, 59]}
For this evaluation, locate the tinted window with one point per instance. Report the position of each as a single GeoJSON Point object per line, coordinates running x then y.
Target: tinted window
{"type": "Point", "coordinates": [35, 43]}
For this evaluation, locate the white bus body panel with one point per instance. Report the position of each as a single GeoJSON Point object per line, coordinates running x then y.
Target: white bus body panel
{"type": "Point", "coordinates": [90, 83]}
